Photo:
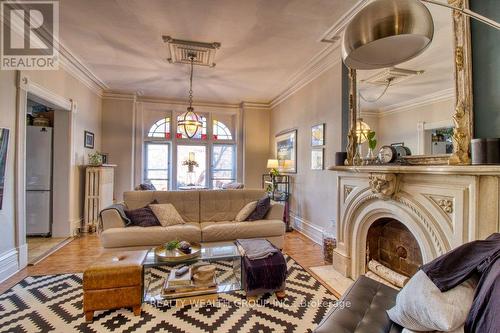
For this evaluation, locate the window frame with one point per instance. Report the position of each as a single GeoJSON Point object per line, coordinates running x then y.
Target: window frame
{"type": "Point", "coordinates": [233, 170]}
{"type": "Point", "coordinates": [169, 161]}
{"type": "Point", "coordinates": [208, 143]}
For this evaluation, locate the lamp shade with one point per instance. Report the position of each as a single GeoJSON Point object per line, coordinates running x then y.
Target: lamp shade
{"type": "Point", "coordinates": [386, 33]}
{"type": "Point", "coordinates": [190, 123]}
{"type": "Point", "coordinates": [362, 130]}
{"type": "Point", "coordinates": [272, 164]}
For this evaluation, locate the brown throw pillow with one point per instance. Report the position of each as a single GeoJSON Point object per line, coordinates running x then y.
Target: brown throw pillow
{"type": "Point", "coordinates": [142, 217]}
{"type": "Point", "coordinates": [263, 206]}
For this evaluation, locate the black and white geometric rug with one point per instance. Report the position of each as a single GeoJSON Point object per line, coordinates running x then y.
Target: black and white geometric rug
{"type": "Point", "coordinates": [53, 303]}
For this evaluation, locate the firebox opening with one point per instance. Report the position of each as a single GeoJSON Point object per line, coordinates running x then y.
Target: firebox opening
{"type": "Point", "coordinates": [393, 245]}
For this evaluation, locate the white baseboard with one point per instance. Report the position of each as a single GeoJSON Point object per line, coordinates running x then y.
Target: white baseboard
{"type": "Point", "coordinates": [307, 228]}
{"type": "Point", "coordinates": [9, 264]}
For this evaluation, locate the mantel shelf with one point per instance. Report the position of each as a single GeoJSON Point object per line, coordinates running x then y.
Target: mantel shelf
{"type": "Point", "coordinates": [469, 170]}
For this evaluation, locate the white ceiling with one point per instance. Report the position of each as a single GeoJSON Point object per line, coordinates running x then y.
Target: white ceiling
{"type": "Point", "coordinates": [437, 61]}
{"type": "Point", "coordinates": [264, 42]}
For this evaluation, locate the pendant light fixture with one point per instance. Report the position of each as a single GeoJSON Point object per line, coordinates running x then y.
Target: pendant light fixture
{"type": "Point", "coordinates": [189, 121]}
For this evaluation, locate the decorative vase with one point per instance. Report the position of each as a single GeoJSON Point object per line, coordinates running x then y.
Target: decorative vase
{"type": "Point", "coordinates": [190, 177]}
{"type": "Point", "coordinates": [190, 168]}
{"type": "Point", "coordinates": [370, 157]}
{"type": "Point", "coordinates": [357, 160]}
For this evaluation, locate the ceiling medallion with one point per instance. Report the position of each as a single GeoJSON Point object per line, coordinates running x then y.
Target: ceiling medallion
{"type": "Point", "coordinates": [190, 122]}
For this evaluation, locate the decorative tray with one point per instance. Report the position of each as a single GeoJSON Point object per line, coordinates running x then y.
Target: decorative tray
{"type": "Point", "coordinates": [176, 255]}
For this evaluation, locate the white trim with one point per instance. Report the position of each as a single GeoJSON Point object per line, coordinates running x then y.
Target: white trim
{"type": "Point", "coordinates": [41, 95]}
{"type": "Point", "coordinates": [322, 61]}
{"type": "Point", "coordinates": [8, 264]}
{"type": "Point", "coordinates": [74, 66]}
{"type": "Point", "coordinates": [26, 88]}
{"type": "Point", "coordinates": [411, 104]}
{"type": "Point", "coordinates": [307, 228]}
{"type": "Point", "coordinates": [117, 96]}
{"type": "Point", "coordinates": [254, 105]}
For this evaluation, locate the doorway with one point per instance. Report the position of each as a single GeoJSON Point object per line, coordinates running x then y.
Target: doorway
{"type": "Point", "coordinates": [45, 144]}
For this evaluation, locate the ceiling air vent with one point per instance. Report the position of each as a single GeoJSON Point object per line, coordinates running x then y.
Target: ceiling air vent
{"type": "Point", "coordinates": [394, 75]}
{"type": "Point", "coordinates": [180, 51]}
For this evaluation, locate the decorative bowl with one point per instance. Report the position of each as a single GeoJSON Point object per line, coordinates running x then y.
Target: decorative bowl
{"type": "Point", "coordinates": [176, 255]}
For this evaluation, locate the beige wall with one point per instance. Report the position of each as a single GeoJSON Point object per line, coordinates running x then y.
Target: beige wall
{"type": "Point", "coordinates": [117, 141]}
{"type": "Point", "coordinates": [313, 193]}
{"type": "Point", "coordinates": [124, 123]}
{"type": "Point", "coordinates": [256, 127]}
{"type": "Point", "coordinates": [401, 126]}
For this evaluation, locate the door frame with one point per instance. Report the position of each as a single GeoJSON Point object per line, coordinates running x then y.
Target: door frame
{"type": "Point", "coordinates": [29, 89]}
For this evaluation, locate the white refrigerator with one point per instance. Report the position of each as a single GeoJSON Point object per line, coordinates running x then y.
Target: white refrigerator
{"type": "Point", "coordinates": [38, 180]}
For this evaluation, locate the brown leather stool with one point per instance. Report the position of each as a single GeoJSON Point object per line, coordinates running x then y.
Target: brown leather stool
{"type": "Point", "coordinates": [115, 281]}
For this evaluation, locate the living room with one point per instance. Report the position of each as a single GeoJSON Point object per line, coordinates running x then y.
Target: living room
{"type": "Point", "coordinates": [350, 149]}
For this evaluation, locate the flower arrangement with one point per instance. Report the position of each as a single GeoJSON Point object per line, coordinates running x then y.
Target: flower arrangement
{"type": "Point", "coordinates": [190, 163]}
{"type": "Point", "coordinates": [95, 159]}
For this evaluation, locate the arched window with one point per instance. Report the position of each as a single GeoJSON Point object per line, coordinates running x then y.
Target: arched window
{"type": "Point", "coordinates": [221, 131]}
{"type": "Point", "coordinates": [160, 129]}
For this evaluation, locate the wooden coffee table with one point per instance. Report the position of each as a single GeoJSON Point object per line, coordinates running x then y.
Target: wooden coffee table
{"type": "Point", "coordinates": [226, 257]}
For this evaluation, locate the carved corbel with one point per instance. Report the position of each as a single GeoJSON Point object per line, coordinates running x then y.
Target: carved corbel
{"type": "Point", "coordinates": [385, 185]}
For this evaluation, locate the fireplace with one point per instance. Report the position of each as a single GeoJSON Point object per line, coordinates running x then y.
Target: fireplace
{"type": "Point", "coordinates": [405, 216]}
{"type": "Point", "coordinates": [393, 245]}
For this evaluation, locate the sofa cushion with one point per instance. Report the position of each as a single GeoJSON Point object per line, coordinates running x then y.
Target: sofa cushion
{"type": "Point", "coordinates": [261, 209]}
{"type": "Point", "coordinates": [142, 217]}
{"type": "Point", "coordinates": [153, 236]}
{"type": "Point", "coordinates": [187, 203]}
{"type": "Point", "coordinates": [421, 306]}
{"type": "Point", "coordinates": [245, 211]}
{"type": "Point", "coordinates": [224, 205]}
{"type": "Point", "coordinates": [224, 231]}
{"type": "Point", "coordinates": [167, 214]}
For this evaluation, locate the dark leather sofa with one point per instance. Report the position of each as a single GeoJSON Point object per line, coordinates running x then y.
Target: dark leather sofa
{"type": "Point", "coordinates": [362, 309]}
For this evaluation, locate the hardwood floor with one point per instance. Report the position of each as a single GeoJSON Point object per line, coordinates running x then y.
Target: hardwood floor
{"type": "Point", "coordinates": [82, 251]}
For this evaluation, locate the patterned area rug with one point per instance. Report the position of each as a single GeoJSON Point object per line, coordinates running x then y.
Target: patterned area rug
{"type": "Point", "coordinates": [53, 303]}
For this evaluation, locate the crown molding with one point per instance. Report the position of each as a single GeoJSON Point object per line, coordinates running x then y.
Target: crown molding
{"type": "Point", "coordinates": [255, 105]}
{"type": "Point", "coordinates": [75, 67]}
{"type": "Point", "coordinates": [322, 61]}
{"type": "Point", "coordinates": [161, 100]}
{"type": "Point", "coordinates": [108, 94]}
{"type": "Point", "coordinates": [436, 97]}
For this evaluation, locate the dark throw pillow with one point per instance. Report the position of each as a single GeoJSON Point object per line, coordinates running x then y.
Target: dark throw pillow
{"type": "Point", "coordinates": [263, 206]}
{"type": "Point", "coordinates": [147, 187]}
{"type": "Point", "coordinates": [142, 217]}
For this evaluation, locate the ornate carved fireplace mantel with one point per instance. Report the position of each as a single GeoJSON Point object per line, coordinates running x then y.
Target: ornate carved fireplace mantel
{"type": "Point", "coordinates": [443, 206]}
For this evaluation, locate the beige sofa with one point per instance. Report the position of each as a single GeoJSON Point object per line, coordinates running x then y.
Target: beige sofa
{"type": "Point", "coordinates": [209, 217]}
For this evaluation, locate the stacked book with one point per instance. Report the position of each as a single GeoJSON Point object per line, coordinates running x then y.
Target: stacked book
{"type": "Point", "coordinates": [184, 286]}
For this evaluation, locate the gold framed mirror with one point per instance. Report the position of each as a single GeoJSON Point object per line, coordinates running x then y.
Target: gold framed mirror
{"type": "Point", "coordinates": [434, 140]}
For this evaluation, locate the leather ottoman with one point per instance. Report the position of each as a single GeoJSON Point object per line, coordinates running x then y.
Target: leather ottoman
{"type": "Point", "coordinates": [114, 281]}
{"type": "Point", "coordinates": [362, 309]}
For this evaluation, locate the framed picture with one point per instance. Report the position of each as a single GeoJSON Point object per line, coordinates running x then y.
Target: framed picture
{"type": "Point", "coordinates": [318, 135]}
{"type": "Point", "coordinates": [104, 158]}
{"type": "Point", "coordinates": [4, 144]}
{"type": "Point", "coordinates": [88, 140]}
{"type": "Point", "coordinates": [317, 159]}
{"type": "Point", "coordinates": [286, 151]}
